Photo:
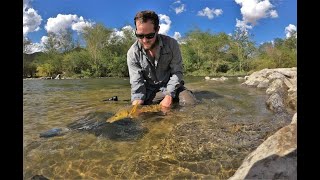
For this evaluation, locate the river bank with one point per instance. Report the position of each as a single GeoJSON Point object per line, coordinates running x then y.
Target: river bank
{"type": "Point", "coordinates": [276, 157]}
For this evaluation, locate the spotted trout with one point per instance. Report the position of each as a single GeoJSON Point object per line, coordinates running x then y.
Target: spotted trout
{"type": "Point", "coordinates": [134, 112]}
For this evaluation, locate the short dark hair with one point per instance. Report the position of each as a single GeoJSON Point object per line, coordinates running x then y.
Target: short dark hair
{"type": "Point", "coordinates": [144, 16]}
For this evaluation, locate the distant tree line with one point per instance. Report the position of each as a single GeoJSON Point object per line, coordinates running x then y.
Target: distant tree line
{"type": "Point", "coordinates": [203, 53]}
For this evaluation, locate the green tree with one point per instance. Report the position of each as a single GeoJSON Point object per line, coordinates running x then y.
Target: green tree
{"type": "Point", "coordinates": [243, 47]}
{"type": "Point", "coordinates": [204, 53]}
{"type": "Point", "coordinates": [29, 68]}
{"type": "Point", "coordinates": [75, 62]}
{"type": "Point", "coordinates": [96, 39]}
{"type": "Point", "coordinates": [281, 53]}
{"type": "Point", "coordinates": [66, 41]}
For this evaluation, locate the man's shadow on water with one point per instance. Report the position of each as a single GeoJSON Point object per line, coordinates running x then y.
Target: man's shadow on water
{"type": "Point", "coordinates": [201, 95]}
{"type": "Point", "coordinates": [124, 130]}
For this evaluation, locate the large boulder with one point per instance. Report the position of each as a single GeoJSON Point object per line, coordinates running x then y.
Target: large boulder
{"type": "Point", "coordinates": [275, 158]}
{"type": "Point", "coordinates": [280, 85]}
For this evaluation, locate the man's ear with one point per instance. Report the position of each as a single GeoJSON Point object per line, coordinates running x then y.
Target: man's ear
{"type": "Point", "coordinates": [158, 29]}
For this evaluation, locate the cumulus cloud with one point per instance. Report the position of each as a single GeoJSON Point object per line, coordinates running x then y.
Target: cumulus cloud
{"type": "Point", "coordinates": [273, 14]}
{"type": "Point", "coordinates": [63, 22]}
{"type": "Point", "coordinates": [26, 4]}
{"type": "Point", "coordinates": [29, 48]}
{"type": "Point", "coordinates": [165, 24]}
{"type": "Point", "coordinates": [177, 35]}
{"type": "Point", "coordinates": [210, 13]}
{"type": "Point", "coordinates": [242, 25]}
{"type": "Point", "coordinates": [120, 33]}
{"type": "Point", "coordinates": [290, 29]}
{"type": "Point", "coordinates": [253, 10]}
{"type": "Point", "coordinates": [31, 19]}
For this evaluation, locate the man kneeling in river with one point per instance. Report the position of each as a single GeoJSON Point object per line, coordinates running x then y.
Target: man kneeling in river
{"type": "Point", "coordinates": [155, 65]}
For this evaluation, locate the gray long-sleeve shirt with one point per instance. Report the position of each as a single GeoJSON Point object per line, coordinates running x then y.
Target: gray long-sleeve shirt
{"type": "Point", "coordinates": [164, 73]}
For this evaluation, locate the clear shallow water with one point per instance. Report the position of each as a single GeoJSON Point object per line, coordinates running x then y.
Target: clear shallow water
{"type": "Point", "coordinates": [208, 140]}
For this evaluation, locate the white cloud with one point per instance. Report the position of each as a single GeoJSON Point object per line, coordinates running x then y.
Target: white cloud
{"type": "Point", "coordinates": [34, 47]}
{"type": "Point", "coordinates": [290, 29]}
{"type": "Point", "coordinates": [253, 10]}
{"type": "Point", "coordinates": [26, 4]}
{"type": "Point", "coordinates": [165, 24]}
{"type": "Point", "coordinates": [128, 27]}
{"type": "Point", "coordinates": [177, 35]}
{"type": "Point", "coordinates": [210, 12]}
{"type": "Point", "coordinates": [242, 25]}
{"type": "Point", "coordinates": [120, 33]}
{"type": "Point", "coordinates": [180, 9]}
{"type": "Point", "coordinates": [40, 47]}
{"type": "Point", "coordinates": [273, 14]}
{"type": "Point", "coordinates": [44, 39]}
{"type": "Point", "coordinates": [79, 26]}
{"type": "Point", "coordinates": [31, 19]}
{"type": "Point", "coordinates": [63, 22]}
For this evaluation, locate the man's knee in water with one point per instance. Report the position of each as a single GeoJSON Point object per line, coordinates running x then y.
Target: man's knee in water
{"type": "Point", "coordinates": [187, 98]}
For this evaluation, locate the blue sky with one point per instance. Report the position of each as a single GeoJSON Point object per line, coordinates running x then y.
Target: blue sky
{"type": "Point", "coordinates": [265, 19]}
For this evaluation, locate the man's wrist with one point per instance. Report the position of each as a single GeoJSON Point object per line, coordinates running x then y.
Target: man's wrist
{"type": "Point", "coordinates": [139, 101]}
{"type": "Point", "coordinates": [172, 94]}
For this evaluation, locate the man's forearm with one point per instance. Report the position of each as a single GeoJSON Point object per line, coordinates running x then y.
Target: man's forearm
{"type": "Point", "coordinates": [174, 84]}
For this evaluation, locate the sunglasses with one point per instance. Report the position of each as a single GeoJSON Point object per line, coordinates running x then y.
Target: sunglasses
{"type": "Point", "coordinates": [148, 36]}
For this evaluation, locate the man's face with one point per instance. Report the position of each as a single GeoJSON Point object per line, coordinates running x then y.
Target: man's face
{"type": "Point", "coordinates": [146, 29]}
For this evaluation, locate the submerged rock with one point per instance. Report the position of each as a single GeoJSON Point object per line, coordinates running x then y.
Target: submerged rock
{"type": "Point", "coordinates": [113, 98]}
{"type": "Point", "coordinates": [39, 177]}
{"type": "Point", "coordinates": [51, 133]}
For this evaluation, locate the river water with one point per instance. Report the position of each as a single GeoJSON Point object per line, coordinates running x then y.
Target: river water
{"type": "Point", "coordinates": [205, 141]}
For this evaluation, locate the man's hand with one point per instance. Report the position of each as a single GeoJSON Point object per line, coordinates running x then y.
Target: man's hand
{"type": "Point", "coordinates": [166, 102]}
{"type": "Point", "coordinates": [139, 101]}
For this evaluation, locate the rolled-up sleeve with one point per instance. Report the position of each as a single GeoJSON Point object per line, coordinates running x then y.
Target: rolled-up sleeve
{"type": "Point", "coordinates": [138, 89]}
{"type": "Point", "coordinates": [176, 69]}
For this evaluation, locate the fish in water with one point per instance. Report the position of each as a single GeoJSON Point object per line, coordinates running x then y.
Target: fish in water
{"type": "Point", "coordinates": [134, 112]}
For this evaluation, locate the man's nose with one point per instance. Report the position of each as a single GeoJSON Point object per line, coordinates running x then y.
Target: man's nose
{"type": "Point", "coordinates": [144, 40]}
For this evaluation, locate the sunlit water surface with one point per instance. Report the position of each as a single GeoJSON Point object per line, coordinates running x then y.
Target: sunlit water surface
{"type": "Point", "coordinates": [207, 141]}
